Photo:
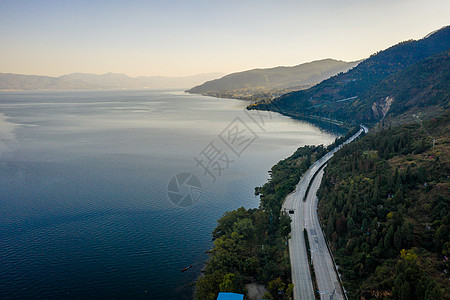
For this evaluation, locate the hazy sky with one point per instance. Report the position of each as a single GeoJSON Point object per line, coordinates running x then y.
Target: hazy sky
{"type": "Point", "coordinates": [177, 38]}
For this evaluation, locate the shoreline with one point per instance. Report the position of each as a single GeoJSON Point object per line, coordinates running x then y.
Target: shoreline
{"type": "Point", "coordinates": [335, 126]}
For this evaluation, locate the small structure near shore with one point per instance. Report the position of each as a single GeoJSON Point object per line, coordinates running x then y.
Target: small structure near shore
{"type": "Point", "coordinates": [230, 296]}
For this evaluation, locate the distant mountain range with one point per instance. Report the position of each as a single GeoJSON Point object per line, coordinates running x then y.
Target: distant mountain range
{"type": "Point", "coordinates": [410, 77]}
{"type": "Point", "coordinates": [80, 81]}
{"type": "Point", "coordinates": [278, 80]}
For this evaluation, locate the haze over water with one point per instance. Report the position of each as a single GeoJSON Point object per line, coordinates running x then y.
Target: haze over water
{"type": "Point", "coordinates": [84, 209]}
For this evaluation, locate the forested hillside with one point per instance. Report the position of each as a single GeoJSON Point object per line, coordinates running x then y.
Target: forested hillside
{"type": "Point", "coordinates": [423, 87]}
{"type": "Point", "coordinates": [384, 206]}
{"type": "Point", "coordinates": [396, 76]}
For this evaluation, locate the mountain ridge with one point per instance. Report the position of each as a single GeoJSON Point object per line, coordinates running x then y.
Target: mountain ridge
{"type": "Point", "coordinates": [270, 81]}
{"type": "Point", "coordinates": [340, 96]}
{"type": "Point", "coordinates": [83, 81]}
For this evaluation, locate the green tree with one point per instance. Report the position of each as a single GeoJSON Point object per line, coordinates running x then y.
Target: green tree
{"type": "Point", "coordinates": [290, 291]}
{"type": "Point", "coordinates": [230, 284]}
{"type": "Point", "coordinates": [277, 288]}
{"type": "Point", "coordinates": [207, 286]}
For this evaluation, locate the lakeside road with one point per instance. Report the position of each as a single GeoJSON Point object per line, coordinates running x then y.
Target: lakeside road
{"type": "Point", "coordinates": [305, 216]}
{"type": "Point", "coordinates": [326, 276]}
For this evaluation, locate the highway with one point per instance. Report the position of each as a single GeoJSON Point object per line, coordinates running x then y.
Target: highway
{"type": "Point", "coordinates": [327, 279]}
{"type": "Point", "coordinates": [305, 216]}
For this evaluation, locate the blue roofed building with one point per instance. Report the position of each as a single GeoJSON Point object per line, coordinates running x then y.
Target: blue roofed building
{"type": "Point", "coordinates": [230, 296]}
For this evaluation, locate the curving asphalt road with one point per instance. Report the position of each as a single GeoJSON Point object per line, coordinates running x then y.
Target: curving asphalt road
{"type": "Point", "coordinates": [305, 216]}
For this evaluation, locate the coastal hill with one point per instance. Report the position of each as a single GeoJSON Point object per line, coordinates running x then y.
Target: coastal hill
{"type": "Point", "coordinates": [257, 83]}
{"type": "Point", "coordinates": [81, 81]}
{"type": "Point", "coordinates": [406, 78]}
{"type": "Point", "coordinates": [423, 88]}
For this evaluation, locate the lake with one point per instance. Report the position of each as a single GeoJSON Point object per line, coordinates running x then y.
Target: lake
{"type": "Point", "coordinates": [109, 194]}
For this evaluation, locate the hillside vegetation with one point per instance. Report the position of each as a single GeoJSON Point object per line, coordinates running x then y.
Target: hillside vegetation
{"type": "Point", "coordinates": [384, 206]}
{"type": "Point", "coordinates": [402, 79]}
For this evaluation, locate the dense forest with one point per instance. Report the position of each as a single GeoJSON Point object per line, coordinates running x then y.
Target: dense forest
{"type": "Point", "coordinates": [384, 206]}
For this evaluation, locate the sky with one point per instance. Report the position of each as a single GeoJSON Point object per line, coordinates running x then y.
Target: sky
{"type": "Point", "coordinates": [187, 37]}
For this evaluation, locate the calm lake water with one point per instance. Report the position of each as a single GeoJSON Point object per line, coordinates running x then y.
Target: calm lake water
{"type": "Point", "coordinates": [84, 176]}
